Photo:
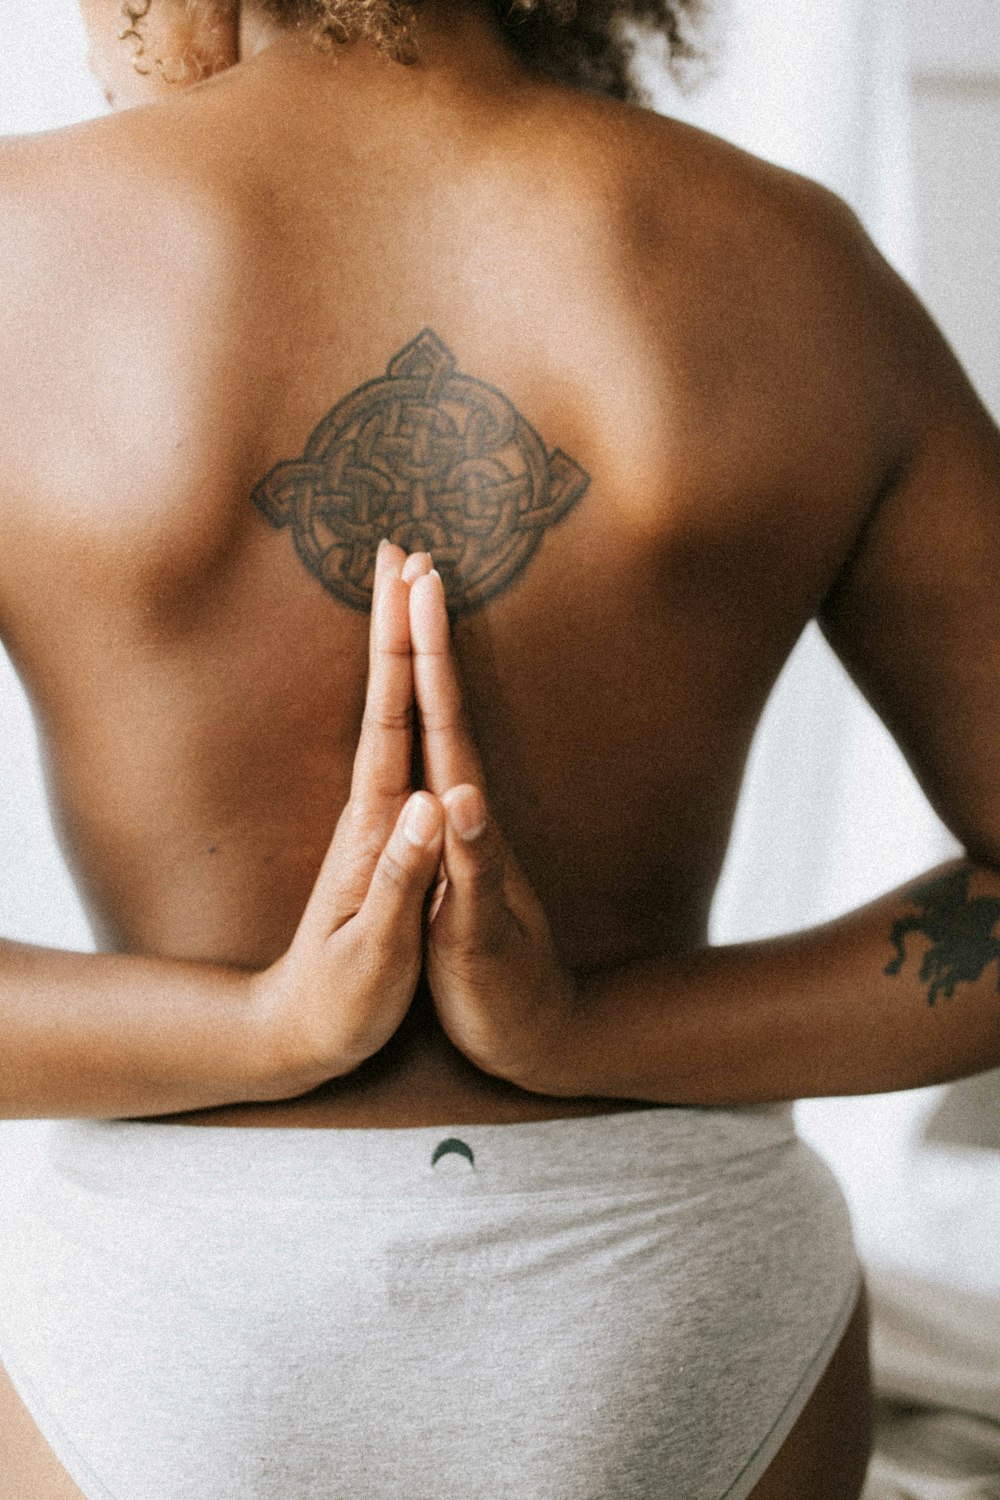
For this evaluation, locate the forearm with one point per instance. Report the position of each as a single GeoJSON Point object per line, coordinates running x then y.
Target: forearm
{"type": "Point", "coordinates": [811, 1014]}
{"type": "Point", "coordinates": [113, 1035]}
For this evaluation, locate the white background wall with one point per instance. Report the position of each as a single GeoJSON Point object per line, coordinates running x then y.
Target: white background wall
{"type": "Point", "coordinates": [956, 122]}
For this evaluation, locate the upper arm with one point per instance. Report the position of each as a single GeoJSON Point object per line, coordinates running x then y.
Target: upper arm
{"type": "Point", "coordinates": [915, 615]}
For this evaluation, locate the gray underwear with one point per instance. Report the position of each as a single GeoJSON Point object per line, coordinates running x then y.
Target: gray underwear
{"type": "Point", "coordinates": [635, 1305]}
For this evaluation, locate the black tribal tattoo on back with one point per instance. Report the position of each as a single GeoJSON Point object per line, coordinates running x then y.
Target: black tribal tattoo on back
{"type": "Point", "coordinates": [961, 932]}
{"type": "Point", "coordinates": [434, 460]}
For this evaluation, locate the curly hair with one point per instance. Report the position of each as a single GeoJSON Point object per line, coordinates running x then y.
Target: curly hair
{"type": "Point", "coordinates": [586, 43]}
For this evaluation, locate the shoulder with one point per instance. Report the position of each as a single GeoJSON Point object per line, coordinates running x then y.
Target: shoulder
{"type": "Point", "coordinates": [671, 157]}
{"type": "Point", "coordinates": [780, 299]}
{"type": "Point", "coordinates": [786, 337]}
{"type": "Point", "coordinates": [47, 184]}
{"type": "Point", "coordinates": [89, 196]}
{"type": "Point", "coordinates": [108, 257]}
{"type": "Point", "coordinates": [113, 201]}
{"type": "Point", "coordinates": [43, 219]}
{"type": "Point", "coordinates": [776, 238]}
{"type": "Point", "coordinates": [733, 237]}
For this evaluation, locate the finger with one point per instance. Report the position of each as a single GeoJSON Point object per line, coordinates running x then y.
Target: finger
{"type": "Point", "coordinates": [474, 914]}
{"type": "Point", "coordinates": [382, 761]}
{"type": "Point", "coordinates": [416, 566]}
{"type": "Point", "coordinates": [407, 865]}
{"type": "Point", "coordinates": [437, 894]}
{"type": "Point", "coordinates": [449, 751]}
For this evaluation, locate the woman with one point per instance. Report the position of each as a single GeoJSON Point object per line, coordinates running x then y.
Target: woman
{"type": "Point", "coordinates": [631, 407]}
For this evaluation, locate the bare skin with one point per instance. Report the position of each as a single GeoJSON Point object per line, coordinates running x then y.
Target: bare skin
{"type": "Point", "coordinates": [768, 426]}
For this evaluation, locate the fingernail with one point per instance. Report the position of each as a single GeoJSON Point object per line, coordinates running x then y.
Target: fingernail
{"type": "Point", "coordinates": [420, 824]}
{"type": "Point", "coordinates": [468, 814]}
{"type": "Point", "coordinates": [413, 567]}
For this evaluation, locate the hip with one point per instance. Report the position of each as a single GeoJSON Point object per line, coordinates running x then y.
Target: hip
{"type": "Point", "coordinates": [534, 1308]}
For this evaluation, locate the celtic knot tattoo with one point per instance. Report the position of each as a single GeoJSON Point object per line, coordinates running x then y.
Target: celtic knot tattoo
{"type": "Point", "coordinates": [434, 460]}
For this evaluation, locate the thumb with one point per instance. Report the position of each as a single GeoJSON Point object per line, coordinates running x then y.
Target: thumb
{"type": "Point", "coordinates": [474, 914]}
{"type": "Point", "coordinates": [405, 869]}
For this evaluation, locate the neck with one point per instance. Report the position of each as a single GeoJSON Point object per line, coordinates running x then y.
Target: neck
{"type": "Point", "coordinates": [458, 37]}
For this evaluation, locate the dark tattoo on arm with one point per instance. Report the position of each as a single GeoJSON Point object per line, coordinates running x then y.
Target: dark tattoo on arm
{"type": "Point", "coordinates": [961, 931]}
{"type": "Point", "coordinates": [434, 460]}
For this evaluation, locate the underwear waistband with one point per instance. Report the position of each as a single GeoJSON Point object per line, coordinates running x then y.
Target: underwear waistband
{"type": "Point", "coordinates": [612, 1153]}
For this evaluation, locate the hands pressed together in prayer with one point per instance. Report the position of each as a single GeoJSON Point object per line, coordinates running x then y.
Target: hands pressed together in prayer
{"type": "Point", "coordinates": [420, 882]}
{"type": "Point", "coordinates": [417, 880]}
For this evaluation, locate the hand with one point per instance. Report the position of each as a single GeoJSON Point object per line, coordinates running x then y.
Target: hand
{"type": "Point", "coordinates": [347, 980]}
{"type": "Point", "coordinates": [502, 995]}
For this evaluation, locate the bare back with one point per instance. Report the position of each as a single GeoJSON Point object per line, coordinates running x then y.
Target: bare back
{"type": "Point", "coordinates": [619, 378]}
